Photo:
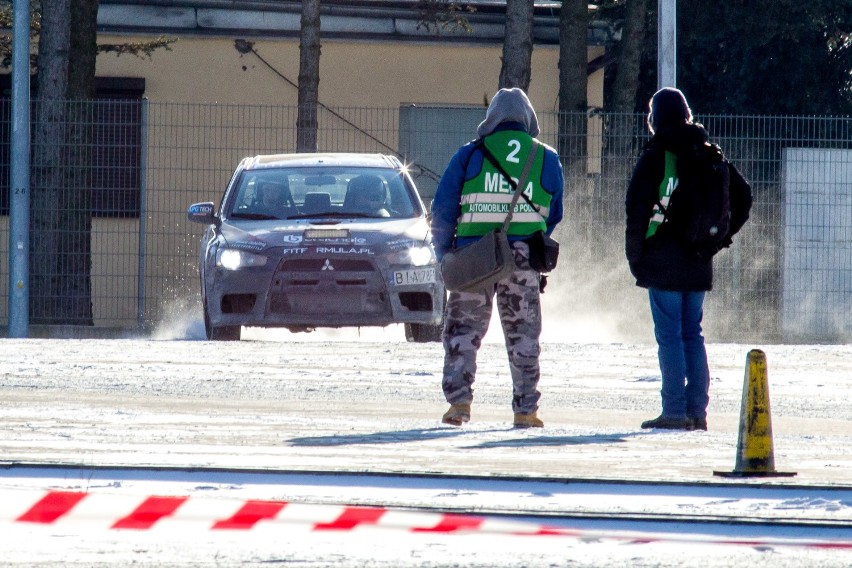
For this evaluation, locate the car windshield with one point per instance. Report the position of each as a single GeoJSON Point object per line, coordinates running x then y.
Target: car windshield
{"type": "Point", "coordinates": [340, 192]}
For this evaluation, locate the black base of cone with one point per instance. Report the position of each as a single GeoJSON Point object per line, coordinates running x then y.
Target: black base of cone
{"type": "Point", "coordinates": [755, 473]}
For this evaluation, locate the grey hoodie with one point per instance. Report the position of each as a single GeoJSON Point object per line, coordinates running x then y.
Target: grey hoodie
{"type": "Point", "coordinates": [509, 105]}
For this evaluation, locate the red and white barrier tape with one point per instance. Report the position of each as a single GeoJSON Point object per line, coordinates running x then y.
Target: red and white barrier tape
{"type": "Point", "coordinates": [116, 511]}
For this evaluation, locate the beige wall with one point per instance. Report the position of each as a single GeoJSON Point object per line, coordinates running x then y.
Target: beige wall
{"type": "Point", "coordinates": [351, 73]}
{"type": "Point", "coordinates": [115, 267]}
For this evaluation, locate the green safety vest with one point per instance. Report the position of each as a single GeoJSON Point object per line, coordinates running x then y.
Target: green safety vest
{"type": "Point", "coordinates": [485, 199]}
{"type": "Point", "coordinates": [667, 186]}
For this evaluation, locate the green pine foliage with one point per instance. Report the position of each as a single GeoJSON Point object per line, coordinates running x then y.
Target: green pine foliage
{"type": "Point", "coordinates": [777, 57]}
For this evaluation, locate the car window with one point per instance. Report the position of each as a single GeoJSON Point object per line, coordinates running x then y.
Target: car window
{"type": "Point", "coordinates": [285, 193]}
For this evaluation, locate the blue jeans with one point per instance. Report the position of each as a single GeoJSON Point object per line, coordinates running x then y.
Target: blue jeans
{"type": "Point", "coordinates": [683, 358]}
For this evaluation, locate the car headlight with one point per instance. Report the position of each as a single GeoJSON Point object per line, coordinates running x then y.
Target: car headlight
{"type": "Point", "coordinates": [232, 259]}
{"type": "Point", "coordinates": [415, 256]}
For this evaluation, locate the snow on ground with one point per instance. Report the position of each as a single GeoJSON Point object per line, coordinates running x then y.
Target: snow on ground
{"type": "Point", "coordinates": [366, 401]}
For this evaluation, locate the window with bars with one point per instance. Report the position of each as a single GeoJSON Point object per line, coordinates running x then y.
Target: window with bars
{"type": "Point", "coordinates": [116, 145]}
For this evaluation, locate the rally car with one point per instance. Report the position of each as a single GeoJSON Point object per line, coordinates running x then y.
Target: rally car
{"type": "Point", "coordinates": [302, 241]}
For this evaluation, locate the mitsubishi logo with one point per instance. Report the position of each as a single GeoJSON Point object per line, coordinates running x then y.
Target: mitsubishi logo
{"type": "Point", "coordinates": [327, 265]}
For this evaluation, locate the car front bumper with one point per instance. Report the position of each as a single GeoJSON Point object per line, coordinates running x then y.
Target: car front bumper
{"type": "Point", "coordinates": [323, 291]}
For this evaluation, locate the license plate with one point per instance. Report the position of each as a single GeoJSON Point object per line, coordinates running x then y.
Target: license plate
{"type": "Point", "coordinates": [409, 277]}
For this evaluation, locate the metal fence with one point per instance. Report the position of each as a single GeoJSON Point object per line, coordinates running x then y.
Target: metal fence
{"type": "Point", "coordinates": [788, 277]}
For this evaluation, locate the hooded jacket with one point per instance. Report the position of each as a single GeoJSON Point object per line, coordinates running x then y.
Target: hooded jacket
{"type": "Point", "coordinates": [510, 109]}
{"type": "Point", "coordinates": [662, 261]}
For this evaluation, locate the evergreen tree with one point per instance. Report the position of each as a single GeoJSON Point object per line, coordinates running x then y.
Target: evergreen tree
{"type": "Point", "coordinates": [766, 56]}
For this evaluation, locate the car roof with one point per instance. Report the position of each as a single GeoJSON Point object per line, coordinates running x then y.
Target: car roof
{"type": "Point", "coordinates": [321, 159]}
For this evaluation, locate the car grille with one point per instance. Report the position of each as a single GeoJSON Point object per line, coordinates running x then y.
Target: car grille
{"type": "Point", "coordinates": [317, 264]}
{"type": "Point", "coordinates": [327, 286]}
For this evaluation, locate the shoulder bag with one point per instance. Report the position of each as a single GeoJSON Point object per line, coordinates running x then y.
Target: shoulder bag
{"type": "Point", "coordinates": [544, 250]}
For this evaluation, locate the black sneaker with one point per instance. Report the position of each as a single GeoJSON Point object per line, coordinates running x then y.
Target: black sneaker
{"type": "Point", "coordinates": [699, 423]}
{"type": "Point", "coordinates": [669, 423]}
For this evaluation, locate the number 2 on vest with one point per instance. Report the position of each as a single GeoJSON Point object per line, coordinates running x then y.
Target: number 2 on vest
{"type": "Point", "coordinates": [513, 155]}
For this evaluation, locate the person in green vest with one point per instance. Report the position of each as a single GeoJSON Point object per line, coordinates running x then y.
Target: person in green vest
{"type": "Point", "coordinates": [659, 258]}
{"type": "Point", "coordinates": [473, 198]}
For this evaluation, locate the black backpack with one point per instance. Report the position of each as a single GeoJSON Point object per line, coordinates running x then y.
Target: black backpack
{"type": "Point", "coordinates": [699, 209]}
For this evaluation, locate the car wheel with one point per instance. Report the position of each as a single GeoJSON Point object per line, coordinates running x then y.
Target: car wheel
{"type": "Point", "coordinates": [221, 333]}
{"type": "Point", "coordinates": [423, 333]}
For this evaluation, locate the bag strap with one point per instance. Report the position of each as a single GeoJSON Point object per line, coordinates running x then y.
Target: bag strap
{"type": "Point", "coordinates": [521, 181]}
{"type": "Point", "coordinates": [660, 212]}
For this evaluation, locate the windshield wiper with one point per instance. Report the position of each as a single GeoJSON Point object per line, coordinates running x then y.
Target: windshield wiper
{"type": "Point", "coordinates": [253, 216]}
{"type": "Point", "coordinates": [335, 214]}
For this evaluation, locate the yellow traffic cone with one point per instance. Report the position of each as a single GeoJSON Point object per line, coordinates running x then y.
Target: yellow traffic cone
{"type": "Point", "coordinates": [755, 452]}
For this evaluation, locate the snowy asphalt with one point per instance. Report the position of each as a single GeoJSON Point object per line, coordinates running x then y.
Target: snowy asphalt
{"type": "Point", "coordinates": [373, 405]}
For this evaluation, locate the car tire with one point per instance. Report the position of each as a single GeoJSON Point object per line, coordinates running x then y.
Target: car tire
{"type": "Point", "coordinates": [221, 333]}
{"type": "Point", "coordinates": [423, 332]}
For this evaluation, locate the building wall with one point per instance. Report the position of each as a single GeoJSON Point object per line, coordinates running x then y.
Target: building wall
{"type": "Point", "coordinates": [352, 73]}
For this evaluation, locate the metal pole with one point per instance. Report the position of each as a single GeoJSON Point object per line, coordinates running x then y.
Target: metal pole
{"type": "Point", "coordinates": [143, 213]}
{"type": "Point", "coordinates": [19, 196]}
{"type": "Point", "coordinates": [666, 43]}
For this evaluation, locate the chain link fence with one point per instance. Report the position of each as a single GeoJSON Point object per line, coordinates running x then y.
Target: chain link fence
{"type": "Point", "coordinates": [111, 247]}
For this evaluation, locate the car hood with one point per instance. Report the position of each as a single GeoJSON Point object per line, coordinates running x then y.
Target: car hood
{"type": "Point", "coordinates": [378, 234]}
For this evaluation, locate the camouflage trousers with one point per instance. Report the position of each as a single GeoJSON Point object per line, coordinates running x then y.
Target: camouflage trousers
{"type": "Point", "coordinates": [466, 321]}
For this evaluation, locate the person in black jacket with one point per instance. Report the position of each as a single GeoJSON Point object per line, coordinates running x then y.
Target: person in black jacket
{"type": "Point", "coordinates": [675, 276]}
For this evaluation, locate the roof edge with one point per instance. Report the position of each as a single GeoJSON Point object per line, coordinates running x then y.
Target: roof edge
{"type": "Point", "coordinates": [381, 20]}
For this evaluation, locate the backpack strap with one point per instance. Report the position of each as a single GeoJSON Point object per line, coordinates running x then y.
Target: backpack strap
{"type": "Point", "coordinates": [660, 213]}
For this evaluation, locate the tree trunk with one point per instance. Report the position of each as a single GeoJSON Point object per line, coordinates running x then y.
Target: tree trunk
{"type": "Point", "coordinates": [515, 70]}
{"type": "Point", "coordinates": [309, 57]}
{"type": "Point", "coordinates": [47, 163]}
{"type": "Point", "coordinates": [84, 49]}
{"type": "Point", "coordinates": [61, 212]}
{"type": "Point", "coordinates": [621, 139]}
{"type": "Point", "coordinates": [76, 202]}
{"type": "Point", "coordinates": [573, 84]}
{"type": "Point", "coordinates": [626, 81]}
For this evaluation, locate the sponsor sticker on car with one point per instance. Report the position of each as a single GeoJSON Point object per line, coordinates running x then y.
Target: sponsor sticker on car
{"type": "Point", "coordinates": [413, 276]}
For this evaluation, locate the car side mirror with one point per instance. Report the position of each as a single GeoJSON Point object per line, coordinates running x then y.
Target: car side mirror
{"type": "Point", "coordinates": [204, 213]}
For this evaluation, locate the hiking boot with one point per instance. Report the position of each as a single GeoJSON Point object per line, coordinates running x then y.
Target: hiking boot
{"type": "Point", "coordinates": [669, 423]}
{"type": "Point", "coordinates": [528, 421]}
{"type": "Point", "coordinates": [699, 423]}
{"type": "Point", "coordinates": [457, 415]}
